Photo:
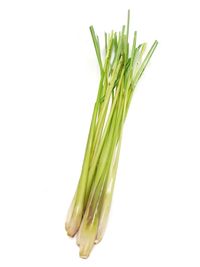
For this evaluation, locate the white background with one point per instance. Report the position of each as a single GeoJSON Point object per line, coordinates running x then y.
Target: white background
{"type": "Point", "coordinates": [48, 84]}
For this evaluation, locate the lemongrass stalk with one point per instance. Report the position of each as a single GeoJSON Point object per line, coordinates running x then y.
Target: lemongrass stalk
{"type": "Point", "coordinates": [89, 232]}
{"type": "Point", "coordinates": [145, 62]}
{"type": "Point", "coordinates": [97, 48]}
{"type": "Point", "coordinates": [102, 92]}
{"type": "Point", "coordinates": [98, 151]}
{"type": "Point", "coordinates": [109, 186]}
{"type": "Point", "coordinates": [76, 209]}
{"type": "Point", "coordinates": [87, 235]}
{"type": "Point", "coordinates": [69, 223]}
{"type": "Point", "coordinates": [90, 214]}
{"type": "Point", "coordinates": [78, 204]}
{"type": "Point", "coordinates": [107, 197]}
{"type": "Point", "coordinates": [139, 73]}
{"type": "Point", "coordinates": [104, 131]}
{"type": "Point", "coordinates": [102, 164]}
{"type": "Point", "coordinates": [108, 145]}
{"type": "Point", "coordinates": [103, 111]}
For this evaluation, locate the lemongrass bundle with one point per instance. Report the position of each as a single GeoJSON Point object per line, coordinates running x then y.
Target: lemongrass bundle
{"type": "Point", "coordinates": [120, 71]}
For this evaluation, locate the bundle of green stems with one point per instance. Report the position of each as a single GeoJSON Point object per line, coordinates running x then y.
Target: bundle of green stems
{"type": "Point", "coordinates": [120, 71]}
